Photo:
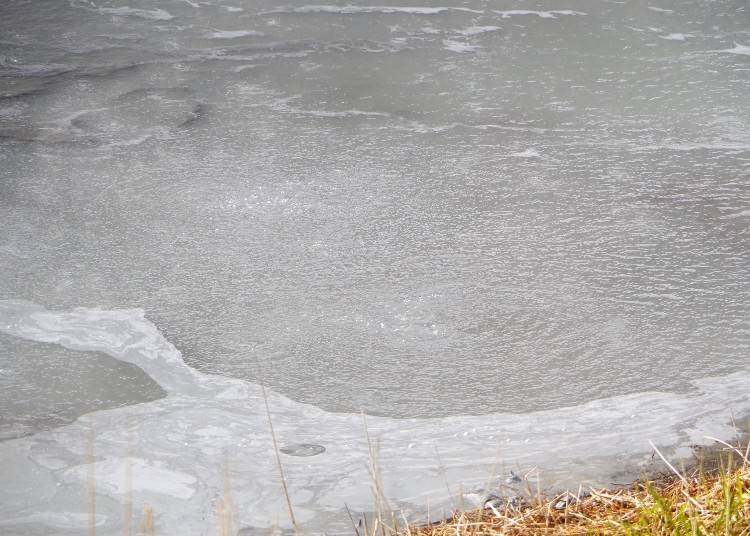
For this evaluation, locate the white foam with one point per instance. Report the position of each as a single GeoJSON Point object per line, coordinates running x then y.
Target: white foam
{"type": "Point", "coordinates": [541, 14]}
{"type": "Point", "coordinates": [458, 46]}
{"type": "Point", "coordinates": [738, 214]}
{"type": "Point", "coordinates": [241, 68]}
{"type": "Point", "coordinates": [153, 14]}
{"type": "Point", "coordinates": [739, 49]}
{"type": "Point", "coordinates": [660, 9]}
{"type": "Point", "coordinates": [719, 145]}
{"type": "Point", "coordinates": [133, 141]}
{"type": "Point", "coordinates": [476, 30]}
{"type": "Point", "coordinates": [282, 105]}
{"type": "Point", "coordinates": [342, 113]}
{"type": "Point", "coordinates": [232, 34]}
{"type": "Point", "coordinates": [354, 10]}
{"type": "Point", "coordinates": [675, 36]}
{"type": "Point", "coordinates": [182, 450]}
{"type": "Point", "coordinates": [528, 153]}
{"type": "Point", "coordinates": [422, 128]}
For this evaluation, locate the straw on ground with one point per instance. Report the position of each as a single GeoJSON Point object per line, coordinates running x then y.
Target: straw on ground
{"type": "Point", "coordinates": [715, 502]}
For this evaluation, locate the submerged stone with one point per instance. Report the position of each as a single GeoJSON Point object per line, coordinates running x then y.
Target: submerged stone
{"type": "Point", "coordinates": [303, 449]}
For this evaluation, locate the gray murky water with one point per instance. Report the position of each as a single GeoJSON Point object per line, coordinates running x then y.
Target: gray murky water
{"type": "Point", "coordinates": [419, 210]}
{"type": "Point", "coordinates": [43, 385]}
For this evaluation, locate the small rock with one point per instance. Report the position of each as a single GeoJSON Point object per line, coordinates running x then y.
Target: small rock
{"type": "Point", "coordinates": [302, 449]}
{"type": "Point", "coordinates": [498, 504]}
{"type": "Point", "coordinates": [513, 478]}
{"type": "Point", "coordinates": [564, 500]}
{"type": "Point", "coordinates": [493, 501]}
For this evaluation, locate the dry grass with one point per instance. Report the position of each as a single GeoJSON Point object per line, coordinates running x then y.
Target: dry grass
{"type": "Point", "coordinates": [713, 501]}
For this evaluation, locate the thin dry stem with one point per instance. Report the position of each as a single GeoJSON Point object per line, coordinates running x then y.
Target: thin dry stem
{"type": "Point", "coordinates": [278, 462]}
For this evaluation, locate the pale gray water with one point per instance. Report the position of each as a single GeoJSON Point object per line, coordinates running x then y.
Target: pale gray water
{"type": "Point", "coordinates": [417, 209]}
{"type": "Point", "coordinates": [412, 213]}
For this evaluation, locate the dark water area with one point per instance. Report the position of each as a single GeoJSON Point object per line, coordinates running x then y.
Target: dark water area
{"type": "Point", "coordinates": [51, 386]}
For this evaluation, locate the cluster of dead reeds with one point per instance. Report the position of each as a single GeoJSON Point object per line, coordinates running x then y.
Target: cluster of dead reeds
{"type": "Point", "coordinates": [709, 501]}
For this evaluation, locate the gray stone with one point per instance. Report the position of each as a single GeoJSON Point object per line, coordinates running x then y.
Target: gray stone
{"type": "Point", "coordinates": [303, 449]}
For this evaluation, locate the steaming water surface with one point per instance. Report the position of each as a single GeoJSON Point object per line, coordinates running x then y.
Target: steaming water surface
{"type": "Point", "coordinates": [495, 209]}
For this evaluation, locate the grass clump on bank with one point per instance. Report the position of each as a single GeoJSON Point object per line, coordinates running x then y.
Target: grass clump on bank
{"type": "Point", "coordinates": [708, 502]}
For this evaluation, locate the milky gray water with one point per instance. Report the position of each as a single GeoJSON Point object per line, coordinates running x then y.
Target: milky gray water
{"type": "Point", "coordinates": [476, 212]}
